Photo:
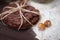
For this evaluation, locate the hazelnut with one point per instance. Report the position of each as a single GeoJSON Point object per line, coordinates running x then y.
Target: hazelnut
{"type": "Point", "coordinates": [42, 26]}
{"type": "Point", "coordinates": [47, 23]}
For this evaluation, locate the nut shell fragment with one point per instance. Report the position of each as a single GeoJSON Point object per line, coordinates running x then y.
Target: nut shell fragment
{"type": "Point", "coordinates": [42, 26]}
{"type": "Point", "coordinates": [47, 23]}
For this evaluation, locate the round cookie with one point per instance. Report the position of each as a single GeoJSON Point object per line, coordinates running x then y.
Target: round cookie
{"type": "Point", "coordinates": [20, 16]}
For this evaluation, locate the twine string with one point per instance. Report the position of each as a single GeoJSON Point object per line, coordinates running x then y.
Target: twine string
{"type": "Point", "coordinates": [20, 9]}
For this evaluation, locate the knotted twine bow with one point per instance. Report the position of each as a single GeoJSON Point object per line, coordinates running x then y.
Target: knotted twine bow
{"type": "Point", "coordinates": [18, 8]}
